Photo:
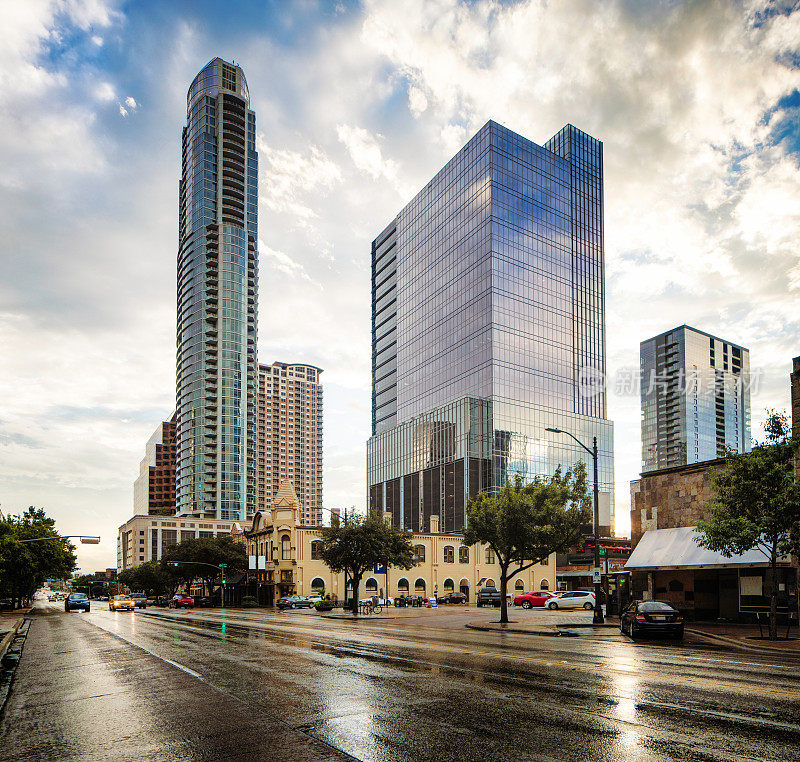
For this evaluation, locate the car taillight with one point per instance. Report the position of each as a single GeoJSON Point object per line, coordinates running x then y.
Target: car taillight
{"type": "Point", "coordinates": [641, 618]}
{"type": "Point", "coordinates": [679, 618]}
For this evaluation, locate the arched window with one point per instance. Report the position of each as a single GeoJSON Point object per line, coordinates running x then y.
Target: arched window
{"type": "Point", "coordinates": [463, 555]}
{"type": "Point", "coordinates": [449, 585]}
{"type": "Point", "coordinates": [419, 586]}
{"type": "Point", "coordinates": [419, 553]}
{"type": "Point", "coordinates": [518, 585]}
{"type": "Point", "coordinates": [286, 548]}
{"type": "Point", "coordinates": [315, 548]}
{"type": "Point", "coordinates": [490, 583]}
{"type": "Point", "coordinates": [402, 585]}
{"type": "Point", "coordinates": [318, 585]}
{"type": "Point", "coordinates": [544, 585]}
{"type": "Point", "coordinates": [676, 586]}
{"type": "Point", "coordinates": [449, 554]}
{"type": "Point", "coordinates": [463, 586]}
{"type": "Point", "coordinates": [372, 585]}
{"type": "Point", "coordinates": [489, 556]}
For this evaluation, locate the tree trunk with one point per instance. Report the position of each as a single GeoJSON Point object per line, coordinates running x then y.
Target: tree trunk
{"type": "Point", "coordinates": [356, 581]}
{"type": "Point", "coordinates": [503, 600]}
{"type": "Point", "coordinates": [773, 598]}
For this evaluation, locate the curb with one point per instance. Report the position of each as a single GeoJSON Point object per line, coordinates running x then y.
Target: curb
{"type": "Point", "coordinates": [516, 631]}
{"type": "Point", "coordinates": [735, 643]}
{"type": "Point", "coordinates": [6, 642]}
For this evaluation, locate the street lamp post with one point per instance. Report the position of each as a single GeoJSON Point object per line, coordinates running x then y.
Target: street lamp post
{"type": "Point", "coordinates": [597, 617]}
{"type": "Point", "coordinates": [84, 538]}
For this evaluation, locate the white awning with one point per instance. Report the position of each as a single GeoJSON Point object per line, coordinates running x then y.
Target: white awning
{"type": "Point", "coordinates": [678, 549]}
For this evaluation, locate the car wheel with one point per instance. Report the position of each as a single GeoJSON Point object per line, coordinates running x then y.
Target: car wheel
{"type": "Point", "coordinates": [527, 604]}
{"type": "Point", "coordinates": [552, 606]}
{"type": "Point", "coordinates": [588, 606]}
{"type": "Point", "coordinates": [632, 632]}
{"type": "Point", "coordinates": [294, 606]}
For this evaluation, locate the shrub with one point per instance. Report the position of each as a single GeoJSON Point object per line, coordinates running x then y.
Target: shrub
{"type": "Point", "coordinates": [249, 602]}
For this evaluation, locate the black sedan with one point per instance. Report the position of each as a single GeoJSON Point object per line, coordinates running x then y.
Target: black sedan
{"type": "Point", "coordinates": [451, 598]}
{"type": "Point", "coordinates": [76, 601]}
{"type": "Point", "coordinates": [294, 602]}
{"type": "Point", "coordinates": [651, 618]}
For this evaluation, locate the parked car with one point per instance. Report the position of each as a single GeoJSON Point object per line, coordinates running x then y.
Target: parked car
{"type": "Point", "coordinates": [121, 603]}
{"type": "Point", "coordinates": [451, 598]}
{"type": "Point", "coordinates": [381, 601]}
{"type": "Point", "coordinates": [651, 618]}
{"type": "Point", "coordinates": [202, 601]}
{"type": "Point", "coordinates": [577, 599]}
{"type": "Point", "coordinates": [293, 602]}
{"type": "Point", "coordinates": [157, 600]}
{"type": "Point", "coordinates": [314, 598]}
{"type": "Point", "coordinates": [103, 598]}
{"type": "Point", "coordinates": [140, 599]}
{"type": "Point", "coordinates": [537, 598]}
{"type": "Point", "coordinates": [182, 602]}
{"type": "Point", "coordinates": [490, 596]}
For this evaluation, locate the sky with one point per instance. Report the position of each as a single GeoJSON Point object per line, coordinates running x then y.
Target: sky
{"type": "Point", "coordinates": [358, 105]}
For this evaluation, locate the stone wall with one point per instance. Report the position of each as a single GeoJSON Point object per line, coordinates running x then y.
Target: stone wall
{"type": "Point", "coordinates": [671, 497]}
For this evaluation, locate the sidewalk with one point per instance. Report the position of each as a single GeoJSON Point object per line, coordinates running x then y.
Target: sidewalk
{"type": "Point", "coordinates": [746, 637]}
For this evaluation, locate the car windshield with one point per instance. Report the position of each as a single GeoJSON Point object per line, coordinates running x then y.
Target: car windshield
{"type": "Point", "coordinates": [78, 596]}
{"type": "Point", "coordinates": [655, 606]}
{"type": "Point", "coordinates": [121, 598]}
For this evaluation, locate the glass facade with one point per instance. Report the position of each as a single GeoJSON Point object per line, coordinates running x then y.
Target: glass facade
{"type": "Point", "coordinates": [217, 299]}
{"type": "Point", "coordinates": [488, 316]}
{"type": "Point", "coordinates": [695, 392]}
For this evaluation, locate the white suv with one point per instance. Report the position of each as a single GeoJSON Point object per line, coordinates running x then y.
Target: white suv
{"type": "Point", "coordinates": [574, 600]}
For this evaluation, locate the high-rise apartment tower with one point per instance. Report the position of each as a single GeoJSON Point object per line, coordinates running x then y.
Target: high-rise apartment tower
{"type": "Point", "coordinates": [217, 299]}
{"type": "Point", "coordinates": [695, 391]}
{"type": "Point", "coordinates": [154, 488]}
{"type": "Point", "coordinates": [290, 435]}
{"type": "Point", "coordinates": [488, 327]}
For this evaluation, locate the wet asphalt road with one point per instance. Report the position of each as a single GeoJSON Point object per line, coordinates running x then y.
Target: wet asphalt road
{"type": "Point", "coordinates": [167, 685]}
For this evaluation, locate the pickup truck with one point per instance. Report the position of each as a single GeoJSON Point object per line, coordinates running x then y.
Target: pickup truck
{"type": "Point", "coordinates": [490, 596]}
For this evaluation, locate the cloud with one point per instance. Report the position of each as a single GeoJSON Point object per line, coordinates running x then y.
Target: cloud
{"type": "Point", "coordinates": [366, 153]}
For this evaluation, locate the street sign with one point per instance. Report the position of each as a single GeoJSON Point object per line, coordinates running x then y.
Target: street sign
{"type": "Point", "coordinates": [380, 569]}
{"type": "Point", "coordinates": [596, 575]}
{"type": "Point", "coordinates": [434, 604]}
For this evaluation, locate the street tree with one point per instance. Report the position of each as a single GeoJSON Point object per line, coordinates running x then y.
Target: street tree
{"type": "Point", "coordinates": [150, 578]}
{"type": "Point", "coordinates": [24, 567]}
{"type": "Point", "coordinates": [202, 558]}
{"type": "Point", "coordinates": [527, 521]}
{"type": "Point", "coordinates": [756, 504]}
{"type": "Point", "coordinates": [360, 543]}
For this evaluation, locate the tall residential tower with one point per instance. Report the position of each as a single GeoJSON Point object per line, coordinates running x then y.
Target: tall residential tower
{"type": "Point", "coordinates": [217, 299]}
{"type": "Point", "coordinates": [695, 398]}
{"type": "Point", "coordinates": [290, 436]}
{"type": "Point", "coordinates": [488, 327]}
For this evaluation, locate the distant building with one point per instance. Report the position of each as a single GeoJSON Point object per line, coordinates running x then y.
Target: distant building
{"type": "Point", "coordinates": [284, 560]}
{"type": "Point", "coordinates": [695, 391]}
{"type": "Point", "coordinates": [154, 488]}
{"type": "Point", "coordinates": [794, 378]}
{"type": "Point", "coordinates": [289, 435]}
{"type": "Point", "coordinates": [145, 537]}
{"type": "Point", "coordinates": [488, 328]}
{"type": "Point", "coordinates": [574, 569]}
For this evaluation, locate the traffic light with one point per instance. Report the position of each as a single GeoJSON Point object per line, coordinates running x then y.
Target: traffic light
{"type": "Point", "coordinates": [174, 563]}
{"type": "Point", "coordinates": [602, 551]}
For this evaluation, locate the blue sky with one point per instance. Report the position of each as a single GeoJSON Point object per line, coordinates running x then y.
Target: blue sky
{"type": "Point", "coordinates": [358, 105]}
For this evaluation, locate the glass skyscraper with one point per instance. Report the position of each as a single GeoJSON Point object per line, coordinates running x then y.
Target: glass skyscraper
{"type": "Point", "coordinates": [217, 299]}
{"type": "Point", "coordinates": [695, 398]}
{"type": "Point", "coordinates": [488, 326]}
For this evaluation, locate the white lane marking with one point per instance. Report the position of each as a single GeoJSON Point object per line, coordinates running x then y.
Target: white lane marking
{"type": "Point", "coordinates": [148, 651]}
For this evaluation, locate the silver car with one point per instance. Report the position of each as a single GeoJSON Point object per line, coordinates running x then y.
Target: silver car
{"type": "Point", "coordinates": [577, 599]}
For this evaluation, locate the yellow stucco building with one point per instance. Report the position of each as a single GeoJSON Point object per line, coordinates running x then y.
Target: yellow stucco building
{"type": "Point", "coordinates": [283, 560]}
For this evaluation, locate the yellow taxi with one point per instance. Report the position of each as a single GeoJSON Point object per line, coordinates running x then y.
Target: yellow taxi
{"type": "Point", "coordinates": [121, 603]}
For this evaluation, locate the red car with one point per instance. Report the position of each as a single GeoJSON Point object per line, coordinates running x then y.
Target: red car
{"type": "Point", "coordinates": [181, 601]}
{"type": "Point", "coordinates": [537, 598]}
